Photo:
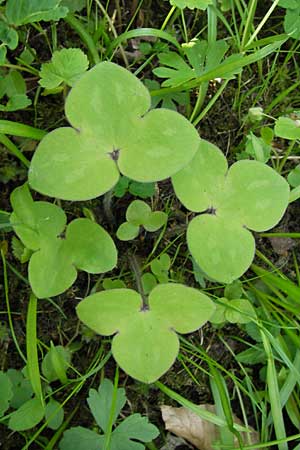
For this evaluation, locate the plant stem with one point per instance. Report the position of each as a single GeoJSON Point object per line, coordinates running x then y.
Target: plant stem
{"type": "Point", "coordinates": [135, 267]}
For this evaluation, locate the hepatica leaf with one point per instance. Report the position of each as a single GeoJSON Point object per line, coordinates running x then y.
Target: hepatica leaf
{"type": "Point", "coordinates": [250, 195]}
{"type": "Point", "coordinates": [112, 132]}
{"type": "Point", "coordinates": [146, 343]}
{"type": "Point", "coordinates": [58, 251]}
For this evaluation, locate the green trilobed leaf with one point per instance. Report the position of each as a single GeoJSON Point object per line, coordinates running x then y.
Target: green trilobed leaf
{"type": "Point", "coordinates": [138, 212]}
{"type": "Point", "coordinates": [223, 249]}
{"type": "Point", "coordinates": [113, 133]}
{"type": "Point", "coordinates": [137, 347]}
{"type": "Point", "coordinates": [127, 231]}
{"type": "Point", "coordinates": [91, 247]}
{"type": "Point", "coordinates": [197, 184]}
{"type": "Point", "coordinates": [249, 194]}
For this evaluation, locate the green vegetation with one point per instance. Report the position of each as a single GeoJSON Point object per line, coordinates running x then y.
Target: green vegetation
{"type": "Point", "coordinates": [147, 151]}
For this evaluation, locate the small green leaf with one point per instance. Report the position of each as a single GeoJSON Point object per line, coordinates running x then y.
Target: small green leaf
{"type": "Point", "coordinates": [199, 4]}
{"type": "Point", "coordinates": [107, 283]}
{"type": "Point", "coordinates": [27, 416]}
{"type": "Point", "coordinates": [294, 176]}
{"type": "Point", "coordinates": [133, 427]}
{"type": "Point", "coordinates": [8, 36]}
{"type": "Point", "coordinates": [57, 359]}
{"type": "Point", "coordinates": [22, 390]}
{"type": "Point", "coordinates": [257, 148]}
{"type": "Point", "coordinates": [54, 414]}
{"type": "Point", "coordinates": [100, 403]}
{"type": "Point", "coordinates": [19, 12]}
{"type": "Point", "coordinates": [138, 212]}
{"type": "Point", "coordinates": [289, 4]}
{"type": "Point", "coordinates": [137, 346]}
{"type": "Point", "coordinates": [240, 311]}
{"type": "Point", "coordinates": [66, 66]}
{"type": "Point", "coordinates": [234, 290]}
{"type": "Point", "coordinates": [143, 190]}
{"type": "Point", "coordinates": [287, 128]}
{"type": "Point", "coordinates": [292, 22]}
{"type": "Point", "coordinates": [127, 231]}
{"type": "Point", "coordinates": [80, 438]}
{"type": "Point", "coordinates": [73, 5]}
{"type": "Point", "coordinates": [148, 282]}
{"type": "Point", "coordinates": [6, 392]}
{"type": "Point", "coordinates": [155, 221]}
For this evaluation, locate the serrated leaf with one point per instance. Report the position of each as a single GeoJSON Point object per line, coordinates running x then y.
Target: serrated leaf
{"type": "Point", "coordinates": [6, 392]}
{"type": "Point", "coordinates": [249, 194]}
{"type": "Point", "coordinates": [27, 416]}
{"type": "Point", "coordinates": [54, 414]}
{"type": "Point", "coordinates": [113, 133]}
{"type": "Point", "coordinates": [66, 66]}
{"type": "Point", "coordinates": [80, 438]}
{"type": "Point", "coordinates": [20, 12]}
{"type": "Point", "coordinates": [133, 427]}
{"type": "Point", "coordinates": [137, 346]}
{"type": "Point", "coordinates": [100, 403]}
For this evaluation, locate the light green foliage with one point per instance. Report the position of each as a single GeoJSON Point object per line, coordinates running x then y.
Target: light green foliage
{"type": "Point", "coordinates": [101, 405]}
{"type": "Point", "coordinates": [287, 128]}
{"type": "Point", "coordinates": [201, 59]}
{"type": "Point", "coordinates": [148, 282]}
{"type": "Point", "coordinates": [54, 414]}
{"type": "Point", "coordinates": [21, 12]}
{"type": "Point", "coordinates": [160, 268]}
{"type": "Point", "coordinates": [22, 390]}
{"type": "Point", "coordinates": [108, 283]}
{"type": "Point", "coordinates": [250, 195]}
{"type": "Point", "coordinates": [257, 148]}
{"type": "Point", "coordinates": [74, 5]}
{"type": "Point", "coordinates": [146, 344]}
{"type": "Point", "coordinates": [292, 17]}
{"type": "Point", "coordinates": [12, 85]}
{"type": "Point", "coordinates": [6, 392]}
{"type": "Point", "coordinates": [168, 100]}
{"type": "Point", "coordinates": [192, 4]}
{"type": "Point", "coordinates": [55, 363]}
{"type": "Point", "coordinates": [233, 311]}
{"type": "Point", "coordinates": [139, 214]}
{"type": "Point", "coordinates": [52, 266]}
{"type": "Point", "coordinates": [8, 38]}
{"type": "Point", "coordinates": [294, 176]}
{"type": "Point", "coordinates": [66, 67]}
{"type": "Point", "coordinates": [143, 190]}
{"type": "Point", "coordinates": [113, 133]}
{"type": "Point", "coordinates": [27, 416]}
{"type": "Point", "coordinates": [20, 252]}
{"type": "Point", "coordinates": [256, 114]}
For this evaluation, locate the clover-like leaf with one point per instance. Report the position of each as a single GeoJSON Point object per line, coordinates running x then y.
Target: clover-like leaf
{"type": "Point", "coordinates": [66, 66]}
{"type": "Point", "coordinates": [146, 343]}
{"type": "Point", "coordinates": [53, 265]}
{"type": "Point", "coordinates": [248, 195]}
{"type": "Point", "coordinates": [113, 132]}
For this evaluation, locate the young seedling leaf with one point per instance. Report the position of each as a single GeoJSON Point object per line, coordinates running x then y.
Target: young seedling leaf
{"type": "Point", "coordinates": [27, 416]}
{"type": "Point", "coordinates": [138, 212]}
{"type": "Point", "coordinates": [155, 221]}
{"type": "Point", "coordinates": [56, 360]}
{"type": "Point", "coordinates": [137, 346]}
{"type": "Point", "coordinates": [22, 390]}
{"type": "Point", "coordinates": [248, 195]}
{"type": "Point", "coordinates": [127, 231]}
{"type": "Point", "coordinates": [19, 12]}
{"type": "Point", "coordinates": [100, 403]}
{"type": "Point", "coordinates": [53, 266]}
{"type": "Point", "coordinates": [66, 66]}
{"type": "Point", "coordinates": [6, 392]}
{"type": "Point", "coordinates": [112, 133]}
{"type": "Point", "coordinates": [294, 176]}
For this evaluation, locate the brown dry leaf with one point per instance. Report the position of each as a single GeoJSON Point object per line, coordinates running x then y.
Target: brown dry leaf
{"type": "Point", "coordinates": [202, 434]}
